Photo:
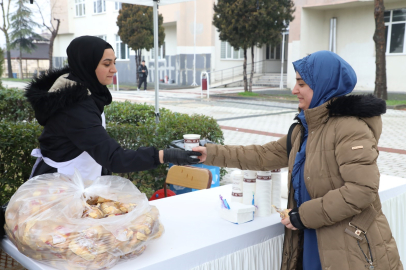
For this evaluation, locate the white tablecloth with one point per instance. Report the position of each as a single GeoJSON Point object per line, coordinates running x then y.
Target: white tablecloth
{"type": "Point", "coordinates": [197, 238]}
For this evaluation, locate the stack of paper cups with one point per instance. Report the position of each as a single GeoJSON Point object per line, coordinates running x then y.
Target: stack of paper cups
{"type": "Point", "coordinates": [276, 188]}
{"type": "Point", "coordinates": [263, 194]}
{"type": "Point", "coordinates": [248, 186]}
{"type": "Point", "coordinates": [236, 193]}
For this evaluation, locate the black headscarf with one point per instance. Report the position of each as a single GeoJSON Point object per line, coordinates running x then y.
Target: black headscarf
{"type": "Point", "coordinates": [84, 54]}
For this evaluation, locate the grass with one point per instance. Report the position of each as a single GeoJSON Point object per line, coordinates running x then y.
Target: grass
{"type": "Point", "coordinates": [248, 94]}
{"type": "Point", "coordinates": [16, 80]}
{"type": "Point", "coordinates": [395, 102]}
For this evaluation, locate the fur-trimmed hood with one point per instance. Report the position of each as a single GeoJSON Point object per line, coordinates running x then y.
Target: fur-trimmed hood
{"type": "Point", "coordinates": [51, 92]}
{"type": "Point", "coordinates": [364, 106]}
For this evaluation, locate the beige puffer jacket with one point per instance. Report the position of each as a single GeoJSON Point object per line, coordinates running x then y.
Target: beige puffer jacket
{"type": "Point", "coordinates": [341, 176]}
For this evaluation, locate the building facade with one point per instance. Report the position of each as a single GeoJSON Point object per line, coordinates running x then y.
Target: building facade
{"type": "Point", "coordinates": [176, 56]}
{"type": "Point", "coordinates": [347, 28]}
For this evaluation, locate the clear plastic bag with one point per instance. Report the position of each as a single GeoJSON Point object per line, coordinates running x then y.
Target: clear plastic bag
{"type": "Point", "coordinates": [70, 223]}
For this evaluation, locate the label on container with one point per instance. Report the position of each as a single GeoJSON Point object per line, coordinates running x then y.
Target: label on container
{"type": "Point", "coordinates": [267, 177]}
{"type": "Point", "coordinates": [246, 180]}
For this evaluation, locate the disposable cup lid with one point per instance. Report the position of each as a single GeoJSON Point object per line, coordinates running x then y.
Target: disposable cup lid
{"type": "Point", "coordinates": [191, 136]}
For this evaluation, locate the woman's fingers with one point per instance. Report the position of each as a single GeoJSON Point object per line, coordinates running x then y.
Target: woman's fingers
{"type": "Point", "coordinates": [286, 222]}
{"type": "Point", "coordinates": [203, 151]}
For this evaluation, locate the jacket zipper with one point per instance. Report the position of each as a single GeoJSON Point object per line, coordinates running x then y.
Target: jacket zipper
{"type": "Point", "coordinates": [332, 186]}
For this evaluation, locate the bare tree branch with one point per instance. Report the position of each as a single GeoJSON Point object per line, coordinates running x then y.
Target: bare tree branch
{"type": "Point", "coordinates": [42, 16]}
{"type": "Point", "coordinates": [8, 13]}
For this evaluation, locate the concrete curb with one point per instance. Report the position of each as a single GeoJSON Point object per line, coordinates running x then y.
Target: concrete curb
{"type": "Point", "coordinates": [252, 98]}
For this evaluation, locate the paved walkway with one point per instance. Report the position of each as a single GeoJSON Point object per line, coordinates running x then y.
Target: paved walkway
{"type": "Point", "coordinates": [250, 121]}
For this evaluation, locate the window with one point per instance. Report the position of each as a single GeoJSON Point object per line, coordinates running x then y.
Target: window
{"type": "Point", "coordinates": [273, 52]}
{"type": "Point", "coordinates": [99, 6]}
{"type": "Point", "coordinates": [228, 52]}
{"type": "Point", "coordinates": [122, 50]}
{"type": "Point", "coordinates": [118, 5]}
{"type": "Point", "coordinates": [80, 8]}
{"type": "Point", "coordinates": [102, 37]}
{"type": "Point", "coordinates": [161, 52]}
{"type": "Point", "coordinates": [395, 22]}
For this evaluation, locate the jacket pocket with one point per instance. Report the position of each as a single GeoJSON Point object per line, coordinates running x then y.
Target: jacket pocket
{"type": "Point", "coordinates": [361, 249]}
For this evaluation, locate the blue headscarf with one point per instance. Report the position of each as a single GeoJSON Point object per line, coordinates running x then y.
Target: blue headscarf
{"type": "Point", "coordinates": [329, 76]}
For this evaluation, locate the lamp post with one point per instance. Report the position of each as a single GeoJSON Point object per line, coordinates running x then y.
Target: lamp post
{"type": "Point", "coordinates": [194, 54]}
{"type": "Point", "coordinates": [156, 48]}
{"type": "Point", "coordinates": [282, 58]}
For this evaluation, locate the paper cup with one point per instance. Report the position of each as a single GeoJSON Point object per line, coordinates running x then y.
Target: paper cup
{"type": "Point", "coordinates": [191, 141]}
{"type": "Point", "coordinates": [236, 193]}
{"type": "Point", "coordinates": [248, 187]}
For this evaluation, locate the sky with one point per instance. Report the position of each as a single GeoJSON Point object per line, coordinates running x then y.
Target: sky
{"type": "Point", "coordinates": [45, 8]}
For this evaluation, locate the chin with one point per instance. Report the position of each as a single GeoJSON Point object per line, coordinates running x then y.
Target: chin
{"type": "Point", "coordinates": [108, 82]}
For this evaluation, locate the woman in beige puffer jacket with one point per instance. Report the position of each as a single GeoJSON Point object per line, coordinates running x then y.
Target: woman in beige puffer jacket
{"type": "Point", "coordinates": [339, 140]}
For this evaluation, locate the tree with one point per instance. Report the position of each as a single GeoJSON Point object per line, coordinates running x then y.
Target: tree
{"type": "Point", "coordinates": [249, 23]}
{"type": "Point", "coordinates": [136, 29]}
{"type": "Point", "coordinates": [1, 65]}
{"type": "Point", "coordinates": [22, 33]}
{"type": "Point", "coordinates": [381, 90]}
{"type": "Point", "coordinates": [5, 28]}
{"type": "Point", "coordinates": [53, 28]}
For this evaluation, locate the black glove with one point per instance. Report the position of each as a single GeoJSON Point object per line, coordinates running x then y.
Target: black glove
{"type": "Point", "coordinates": [180, 157]}
{"type": "Point", "coordinates": [295, 219]}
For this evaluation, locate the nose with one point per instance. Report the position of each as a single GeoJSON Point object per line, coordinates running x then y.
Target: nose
{"type": "Point", "coordinates": [114, 69]}
{"type": "Point", "coordinates": [295, 89]}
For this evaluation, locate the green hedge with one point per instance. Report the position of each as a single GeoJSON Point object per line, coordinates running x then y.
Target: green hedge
{"type": "Point", "coordinates": [131, 125]}
{"type": "Point", "coordinates": [14, 106]}
{"type": "Point", "coordinates": [16, 143]}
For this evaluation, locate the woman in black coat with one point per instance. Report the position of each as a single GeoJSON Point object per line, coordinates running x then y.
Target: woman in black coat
{"type": "Point", "coordinates": [69, 103]}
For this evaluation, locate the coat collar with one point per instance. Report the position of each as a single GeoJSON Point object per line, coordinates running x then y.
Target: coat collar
{"type": "Point", "coordinates": [362, 106]}
{"type": "Point", "coordinates": [52, 92]}
{"type": "Point", "coordinates": [316, 116]}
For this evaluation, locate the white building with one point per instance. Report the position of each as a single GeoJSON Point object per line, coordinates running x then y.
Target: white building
{"type": "Point", "coordinates": [351, 38]}
{"type": "Point", "coordinates": [98, 18]}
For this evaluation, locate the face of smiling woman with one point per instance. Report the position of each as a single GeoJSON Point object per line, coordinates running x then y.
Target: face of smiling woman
{"type": "Point", "coordinates": [303, 92]}
{"type": "Point", "coordinates": [107, 67]}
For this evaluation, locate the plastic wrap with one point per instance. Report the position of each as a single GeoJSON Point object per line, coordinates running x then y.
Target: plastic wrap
{"type": "Point", "coordinates": [70, 223]}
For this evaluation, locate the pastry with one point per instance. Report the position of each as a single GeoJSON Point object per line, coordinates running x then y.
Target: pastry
{"type": "Point", "coordinates": [102, 200]}
{"type": "Point", "coordinates": [92, 200]}
{"type": "Point", "coordinates": [127, 207]}
{"type": "Point", "coordinates": [141, 236]}
{"type": "Point", "coordinates": [110, 208]}
{"type": "Point", "coordinates": [83, 248]}
{"type": "Point", "coordinates": [282, 213]}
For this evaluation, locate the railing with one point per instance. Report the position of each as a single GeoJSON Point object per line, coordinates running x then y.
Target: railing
{"type": "Point", "coordinates": [230, 75]}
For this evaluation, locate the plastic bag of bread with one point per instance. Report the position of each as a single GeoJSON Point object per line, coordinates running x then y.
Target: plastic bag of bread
{"type": "Point", "coordinates": [70, 223]}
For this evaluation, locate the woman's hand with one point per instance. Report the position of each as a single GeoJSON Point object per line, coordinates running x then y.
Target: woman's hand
{"type": "Point", "coordinates": [286, 222]}
{"type": "Point", "coordinates": [203, 151]}
{"type": "Point", "coordinates": [179, 156]}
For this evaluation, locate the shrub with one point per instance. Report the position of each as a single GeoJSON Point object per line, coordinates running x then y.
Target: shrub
{"type": "Point", "coordinates": [129, 113]}
{"type": "Point", "coordinates": [131, 125]}
{"type": "Point", "coordinates": [16, 142]}
{"type": "Point", "coordinates": [14, 106]}
{"type": "Point", "coordinates": [1, 65]}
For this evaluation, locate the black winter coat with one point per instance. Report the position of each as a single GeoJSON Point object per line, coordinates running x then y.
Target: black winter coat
{"type": "Point", "coordinates": [143, 74]}
{"type": "Point", "coordinates": [73, 124]}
